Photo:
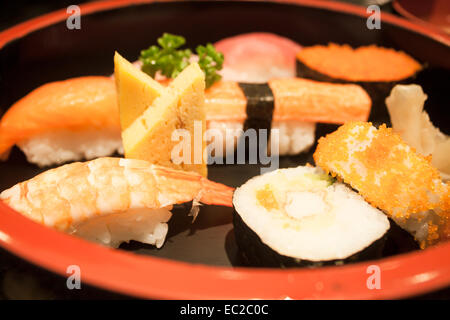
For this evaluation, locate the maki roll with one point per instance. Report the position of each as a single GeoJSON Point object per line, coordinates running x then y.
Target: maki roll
{"type": "Point", "coordinates": [303, 217]}
{"type": "Point", "coordinates": [376, 69]}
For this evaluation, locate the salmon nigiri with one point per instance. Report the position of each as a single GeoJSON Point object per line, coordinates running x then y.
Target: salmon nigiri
{"type": "Point", "coordinates": [65, 120]}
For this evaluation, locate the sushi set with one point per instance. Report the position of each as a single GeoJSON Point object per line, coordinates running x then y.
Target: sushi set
{"type": "Point", "coordinates": [92, 156]}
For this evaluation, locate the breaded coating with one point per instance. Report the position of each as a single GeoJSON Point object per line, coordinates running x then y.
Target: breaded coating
{"type": "Point", "coordinates": [390, 175]}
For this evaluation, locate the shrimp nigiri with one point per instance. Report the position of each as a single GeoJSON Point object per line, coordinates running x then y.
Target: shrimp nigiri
{"type": "Point", "coordinates": [112, 200]}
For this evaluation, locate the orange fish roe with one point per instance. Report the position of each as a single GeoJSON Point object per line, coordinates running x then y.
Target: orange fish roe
{"type": "Point", "coordinates": [445, 214]}
{"type": "Point", "coordinates": [387, 173]}
{"type": "Point", "coordinates": [266, 198]}
{"type": "Point", "coordinates": [369, 63]}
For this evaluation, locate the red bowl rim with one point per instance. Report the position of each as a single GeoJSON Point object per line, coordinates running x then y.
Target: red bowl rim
{"type": "Point", "coordinates": [142, 276]}
{"type": "Point", "coordinates": [402, 10]}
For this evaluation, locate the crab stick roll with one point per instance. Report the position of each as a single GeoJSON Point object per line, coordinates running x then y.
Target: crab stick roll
{"type": "Point", "coordinates": [291, 105]}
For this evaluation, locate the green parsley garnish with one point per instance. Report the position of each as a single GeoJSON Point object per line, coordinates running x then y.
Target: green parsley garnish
{"type": "Point", "coordinates": [210, 61]}
{"type": "Point", "coordinates": [170, 60]}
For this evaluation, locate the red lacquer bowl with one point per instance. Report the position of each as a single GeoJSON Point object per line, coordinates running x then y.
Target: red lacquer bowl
{"type": "Point", "coordinates": [43, 49]}
{"type": "Point", "coordinates": [433, 13]}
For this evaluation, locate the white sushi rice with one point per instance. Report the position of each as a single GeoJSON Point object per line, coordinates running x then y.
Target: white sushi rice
{"type": "Point", "coordinates": [62, 146]}
{"type": "Point", "coordinates": [144, 225]}
{"type": "Point", "coordinates": [65, 145]}
{"type": "Point", "coordinates": [315, 221]}
{"type": "Point", "coordinates": [294, 136]}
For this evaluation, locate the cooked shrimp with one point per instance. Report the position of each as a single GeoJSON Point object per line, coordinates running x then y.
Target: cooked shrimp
{"type": "Point", "coordinates": [114, 192]}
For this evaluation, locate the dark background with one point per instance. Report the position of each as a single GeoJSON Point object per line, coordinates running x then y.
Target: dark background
{"type": "Point", "coordinates": [18, 278]}
{"type": "Point", "coordinates": [16, 11]}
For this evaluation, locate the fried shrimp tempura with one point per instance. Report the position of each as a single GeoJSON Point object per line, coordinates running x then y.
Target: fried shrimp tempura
{"type": "Point", "coordinates": [390, 175]}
